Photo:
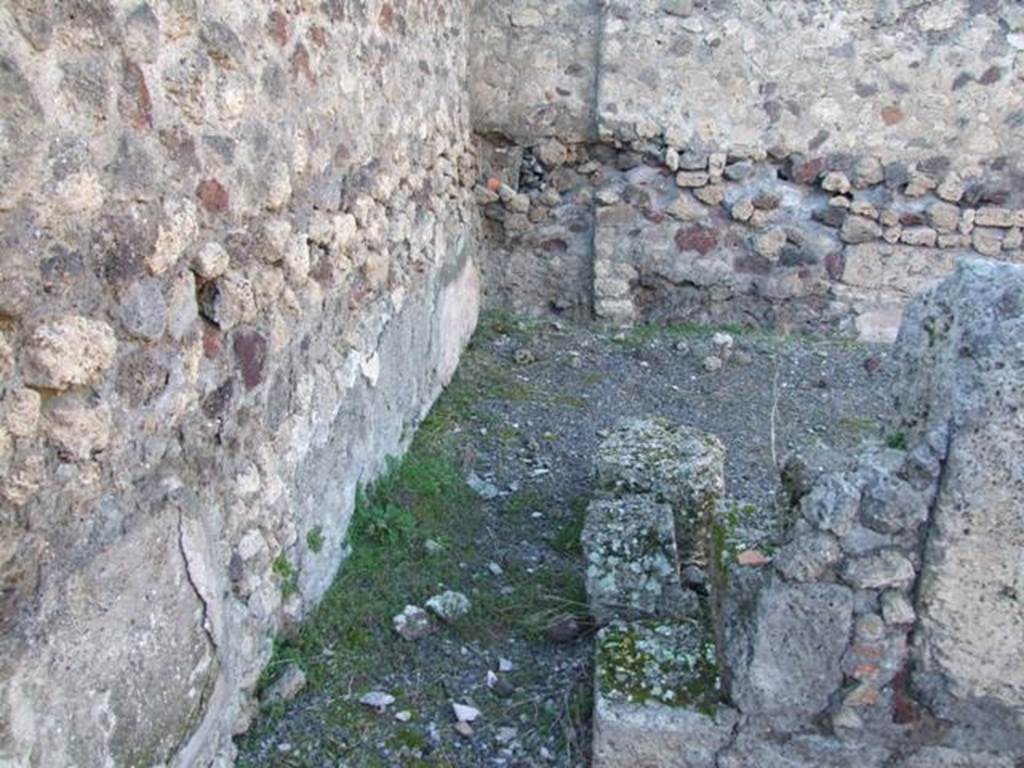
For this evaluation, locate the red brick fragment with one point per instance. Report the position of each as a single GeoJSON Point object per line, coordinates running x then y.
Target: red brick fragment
{"type": "Point", "coordinates": [251, 352]}
{"type": "Point", "coordinates": [697, 238]}
{"type": "Point", "coordinates": [277, 27]}
{"type": "Point", "coordinates": [752, 557]}
{"type": "Point", "coordinates": [135, 104]}
{"type": "Point", "coordinates": [301, 64]}
{"type": "Point", "coordinates": [213, 196]}
{"type": "Point", "coordinates": [892, 114]}
{"type": "Point", "coordinates": [211, 341]}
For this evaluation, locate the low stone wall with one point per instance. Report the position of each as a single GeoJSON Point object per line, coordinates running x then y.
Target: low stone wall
{"type": "Point", "coordinates": [886, 628]}
{"type": "Point", "coordinates": [238, 265]}
{"type": "Point", "coordinates": [787, 165]}
{"type": "Point", "coordinates": [913, 556]}
{"type": "Point", "coordinates": [684, 235]}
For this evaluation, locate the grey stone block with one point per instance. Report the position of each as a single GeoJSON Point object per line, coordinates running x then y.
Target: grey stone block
{"type": "Point", "coordinates": [678, 465]}
{"type": "Point", "coordinates": [656, 697]}
{"type": "Point", "coordinates": [632, 564]}
{"type": "Point", "coordinates": [943, 757]}
{"type": "Point", "coordinates": [766, 750]}
{"type": "Point", "coordinates": [962, 363]}
{"type": "Point", "coordinates": [783, 644]}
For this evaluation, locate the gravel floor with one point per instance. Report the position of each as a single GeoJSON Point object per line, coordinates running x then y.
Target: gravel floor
{"type": "Point", "coordinates": [828, 396]}
{"type": "Point", "coordinates": [522, 420]}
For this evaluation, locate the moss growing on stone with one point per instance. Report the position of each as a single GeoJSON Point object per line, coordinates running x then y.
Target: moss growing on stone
{"type": "Point", "coordinates": [315, 540]}
{"type": "Point", "coordinates": [897, 441]}
{"type": "Point", "coordinates": [726, 543]}
{"type": "Point", "coordinates": [289, 577]}
{"type": "Point", "coordinates": [668, 663]}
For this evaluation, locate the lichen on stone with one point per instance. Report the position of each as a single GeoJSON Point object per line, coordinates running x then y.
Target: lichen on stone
{"type": "Point", "coordinates": [652, 662]}
{"type": "Point", "coordinates": [632, 563]}
{"type": "Point", "coordinates": [676, 464]}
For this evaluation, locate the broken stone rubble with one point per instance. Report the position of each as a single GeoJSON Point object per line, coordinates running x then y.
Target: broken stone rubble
{"type": "Point", "coordinates": [874, 613]}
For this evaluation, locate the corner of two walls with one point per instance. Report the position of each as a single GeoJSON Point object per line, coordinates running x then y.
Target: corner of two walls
{"type": "Point", "coordinates": [238, 265]}
{"type": "Point", "coordinates": [239, 249]}
{"type": "Point", "coordinates": [795, 166]}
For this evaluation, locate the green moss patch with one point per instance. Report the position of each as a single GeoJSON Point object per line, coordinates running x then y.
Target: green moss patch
{"type": "Point", "coordinates": [669, 663]}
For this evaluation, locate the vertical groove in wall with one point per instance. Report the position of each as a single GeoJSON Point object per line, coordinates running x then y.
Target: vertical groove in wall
{"type": "Point", "coordinates": [598, 11]}
{"type": "Point", "coordinates": [588, 277]}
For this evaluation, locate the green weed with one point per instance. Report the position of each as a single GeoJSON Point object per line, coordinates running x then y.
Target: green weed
{"type": "Point", "coordinates": [287, 574]}
{"type": "Point", "coordinates": [315, 540]}
{"type": "Point", "coordinates": [897, 441]}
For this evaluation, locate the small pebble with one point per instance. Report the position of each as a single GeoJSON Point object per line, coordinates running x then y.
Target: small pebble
{"type": "Point", "coordinates": [449, 606]}
{"type": "Point", "coordinates": [503, 688]}
{"type": "Point", "coordinates": [464, 713]}
{"type": "Point", "coordinates": [378, 700]}
{"type": "Point", "coordinates": [432, 547]}
{"type": "Point", "coordinates": [564, 629]}
{"type": "Point", "coordinates": [485, 489]}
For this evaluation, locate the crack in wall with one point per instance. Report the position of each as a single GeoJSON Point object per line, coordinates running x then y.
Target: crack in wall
{"type": "Point", "coordinates": [206, 619]}
{"type": "Point", "coordinates": [929, 529]}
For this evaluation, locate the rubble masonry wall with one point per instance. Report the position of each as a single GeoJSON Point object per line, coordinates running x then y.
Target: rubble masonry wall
{"type": "Point", "coordinates": [790, 164]}
{"type": "Point", "coordinates": [238, 264]}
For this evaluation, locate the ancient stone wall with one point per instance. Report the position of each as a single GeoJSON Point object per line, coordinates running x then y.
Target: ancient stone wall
{"type": "Point", "coordinates": [237, 267]}
{"type": "Point", "coordinates": [916, 552]}
{"type": "Point", "coordinates": [239, 248]}
{"type": "Point", "coordinates": [794, 164]}
{"type": "Point", "coordinates": [962, 353]}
